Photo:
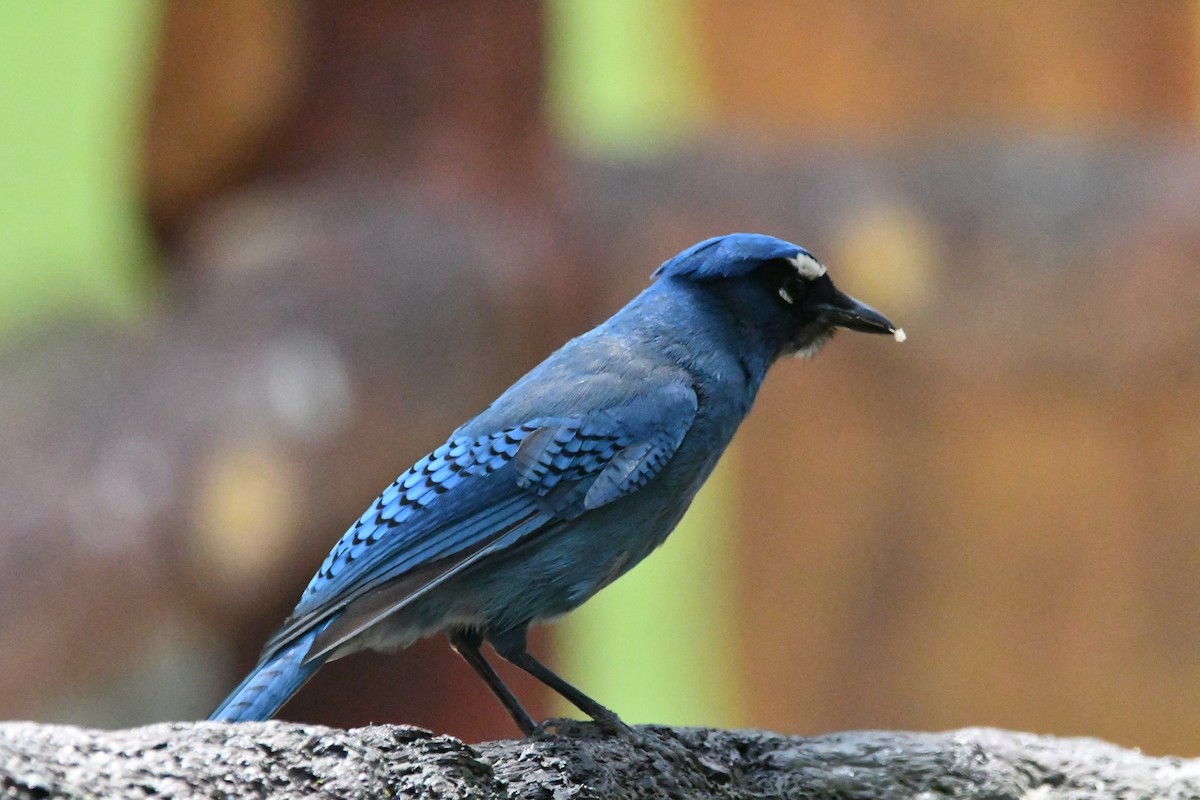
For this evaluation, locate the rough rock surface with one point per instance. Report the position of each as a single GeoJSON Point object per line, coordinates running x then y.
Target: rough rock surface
{"type": "Point", "coordinates": [277, 759]}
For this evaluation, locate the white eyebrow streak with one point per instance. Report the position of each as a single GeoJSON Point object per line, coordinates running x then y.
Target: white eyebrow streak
{"type": "Point", "coordinates": [807, 267]}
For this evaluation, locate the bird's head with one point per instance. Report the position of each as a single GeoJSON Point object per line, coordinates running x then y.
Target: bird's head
{"type": "Point", "coordinates": [776, 289]}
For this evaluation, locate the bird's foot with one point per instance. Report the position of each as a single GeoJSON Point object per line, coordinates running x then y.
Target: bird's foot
{"type": "Point", "coordinates": [607, 724]}
{"type": "Point", "coordinates": [610, 724]}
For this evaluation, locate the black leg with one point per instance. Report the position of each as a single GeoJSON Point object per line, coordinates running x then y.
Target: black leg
{"type": "Point", "coordinates": [512, 648]}
{"type": "Point", "coordinates": [466, 643]}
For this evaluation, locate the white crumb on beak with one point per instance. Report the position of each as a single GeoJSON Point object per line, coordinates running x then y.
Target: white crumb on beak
{"type": "Point", "coordinates": [786, 296]}
{"type": "Point", "coordinates": [899, 334]}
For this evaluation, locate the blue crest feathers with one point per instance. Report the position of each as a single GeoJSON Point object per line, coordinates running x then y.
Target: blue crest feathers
{"type": "Point", "coordinates": [727, 256]}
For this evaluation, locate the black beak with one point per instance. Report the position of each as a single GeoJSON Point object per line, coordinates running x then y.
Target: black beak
{"type": "Point", "coordinates": [844, 311]}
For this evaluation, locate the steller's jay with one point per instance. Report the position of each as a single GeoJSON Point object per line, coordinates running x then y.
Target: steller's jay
{"type": "Point", "coordinates": [567, 480]}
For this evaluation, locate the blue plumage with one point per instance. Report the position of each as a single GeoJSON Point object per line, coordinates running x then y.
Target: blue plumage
{"type": "Point", "coordinates": [567, 480]}
{"type": "Point", "coordinates": [271, 684]}
{"type": "Point", "coordinates": [727, 256]}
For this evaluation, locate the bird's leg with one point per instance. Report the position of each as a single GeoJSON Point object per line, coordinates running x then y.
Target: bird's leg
{"type": "Point", "coordinates": [512, 648]}
{"type": "Point", "coordinates": [466, 643]}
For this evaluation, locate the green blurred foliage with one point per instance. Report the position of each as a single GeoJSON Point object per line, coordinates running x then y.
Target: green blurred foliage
{"type": "Point", "coordinates": [623, 76]}
{"type": "Point", "coordinates": [73, 80]}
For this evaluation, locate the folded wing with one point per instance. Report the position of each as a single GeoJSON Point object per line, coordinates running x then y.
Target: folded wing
{"type": "Point", "coordinates": [473, 497]}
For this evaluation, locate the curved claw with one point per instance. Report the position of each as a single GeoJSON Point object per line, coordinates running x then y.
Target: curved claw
{"type": "Point", "coordinates": [565, 726]}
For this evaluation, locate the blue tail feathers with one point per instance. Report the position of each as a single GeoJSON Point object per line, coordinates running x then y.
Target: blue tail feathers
{"type": "Point", "coordinates": [270, 684]}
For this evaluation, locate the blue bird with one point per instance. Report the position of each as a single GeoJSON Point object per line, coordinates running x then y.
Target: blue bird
{"type": "Point", "coordinates": [572, 476]}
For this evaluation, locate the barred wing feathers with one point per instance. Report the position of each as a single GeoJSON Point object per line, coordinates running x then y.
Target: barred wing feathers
{"type": "Point", "coordinates": [475, 496]}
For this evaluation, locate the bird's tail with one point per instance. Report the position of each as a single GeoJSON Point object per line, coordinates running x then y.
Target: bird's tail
{"type": "Point", "coordinates": [270, 684]}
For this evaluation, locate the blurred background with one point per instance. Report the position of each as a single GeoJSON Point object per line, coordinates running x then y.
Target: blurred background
{"type": "Point", "coordinates": [257, 258]}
